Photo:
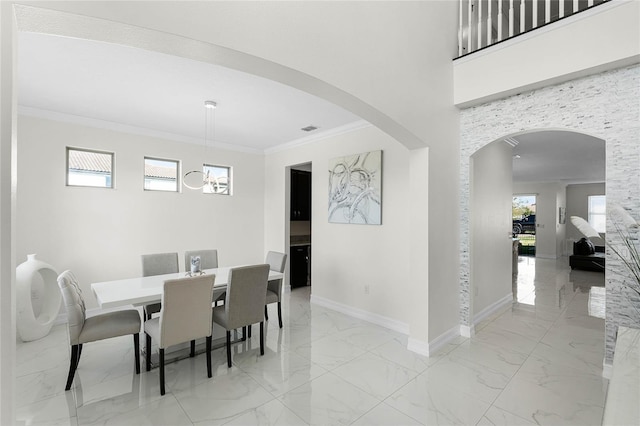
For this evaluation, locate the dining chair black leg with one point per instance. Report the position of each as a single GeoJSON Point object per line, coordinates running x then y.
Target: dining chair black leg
{"type": "Point", "coordinates": [147, 350]}
{"type": "Point", "coordinates": [73, 364]}
{"type": "Point", "coordinates": [249, 331]}
{"type": "Point", "coordinates": [161, 371]}
{"type": "Point", "coordinates": [280, 314]}
{"type": "Point", "coordinates": [229, 348]}
{"type": "Point", "coordinates": [261, 337]}
{"type": "Point", "coordinates": [193, 349]}
{"type": "Point", "coordinates": [244, 333]}
{"type": "Point", "coordinates": [79, 352]}
{"type": "Point", "coordinates": [136, 351]}
{"type": "Point", "coordinates": [266, 313]}
{"type": "Point", "coordinates": [209, 356]}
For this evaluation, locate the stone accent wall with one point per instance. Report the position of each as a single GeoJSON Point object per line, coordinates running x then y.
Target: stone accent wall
{"type": "Point", "coordinates": [606, 106]}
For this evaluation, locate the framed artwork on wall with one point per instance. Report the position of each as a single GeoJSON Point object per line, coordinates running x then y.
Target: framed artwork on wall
{"type": "Point", "coordinates": [562, 215]}
{"type": "Point", "coordinates": [355, 189]}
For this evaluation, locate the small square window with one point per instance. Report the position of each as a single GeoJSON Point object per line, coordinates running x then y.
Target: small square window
{"type": "Point", "coordinates": [161, 175]}
{"type": "Point", "coordinates": [87, 167]}
{"type": "Point", "coordinates": [218, 178]}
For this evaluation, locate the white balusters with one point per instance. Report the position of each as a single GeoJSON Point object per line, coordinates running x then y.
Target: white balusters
{"type": "Point", "coordinates": [500, 16]}
{"type": "Point", "coordinates": [479, 24]}
{"type": "Point", "coordinates": [547, 11]}
{"type": "Point", "coordinates": [460, 49]}
{"type": "Point", "coordinates": [477, 27]}
{"type": "Point", "coordinates": [511, 18]}
{"type": "Point", "coordinates": [469, 26]}
{"type": "Point", "coordinates": [489, 23]}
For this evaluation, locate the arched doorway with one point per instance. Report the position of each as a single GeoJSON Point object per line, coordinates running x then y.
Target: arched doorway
{"type": "Point", "coordinates": [582, 106]}
{"type": "Point", "coordinates": [543, 162]}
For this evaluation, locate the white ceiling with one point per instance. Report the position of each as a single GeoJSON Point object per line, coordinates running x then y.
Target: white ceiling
{"type": "Point", "coordinates": [148, 92]}
{"type": "Point", "coordinates": [558, 156]}
{"type": "Point", "coordinates": [165, 94]}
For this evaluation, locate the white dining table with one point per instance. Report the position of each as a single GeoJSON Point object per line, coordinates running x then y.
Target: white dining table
{"type": "Point", "coordinates": [144, 290]}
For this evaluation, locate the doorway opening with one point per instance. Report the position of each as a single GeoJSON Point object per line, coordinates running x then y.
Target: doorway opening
{"type": "Point", "coordinates": [300, 226]}
{"type": "Point", "coordinates": [523, 215]}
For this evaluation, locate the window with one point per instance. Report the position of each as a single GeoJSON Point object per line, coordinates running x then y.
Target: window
{"type": "Point", "coordinates": [598, 212]}
{"type": "Point", "coordinates": [87, 167]}
{"type": "Point", "coordinates": [160, 175]}
{"type": "Point", "coordinates": [219, 178]}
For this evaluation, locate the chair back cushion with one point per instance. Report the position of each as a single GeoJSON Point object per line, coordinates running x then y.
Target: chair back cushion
{"type": "Point", "coordinates": [159, 264]}
{"type": "Point", "coordinates": [74, 303]}
{"type": "Point", "coordinates": [246, 292]}
{"type": "Point", "coordinates": [276, 261]}
{"type": "Point", "coordinates": [186, 309]}
{"type": "Point", "coordinates": [208, 259]}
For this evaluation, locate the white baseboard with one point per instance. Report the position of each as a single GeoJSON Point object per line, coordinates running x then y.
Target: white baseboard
{"type": "Point", "coordinates": [380, 320]}
{"type": "Point", "coordinates": [418, 346]}
{"type": "Point", "coordinates": [415, 345]}
{"type": "Point", "coordinates": [442, 340]}
{"type": "Point", "coordinates": [467, 331]}
{"type": "Point", "coordinates": [546, 256]}
{"type": "Point", "coordinates": [491, 309]}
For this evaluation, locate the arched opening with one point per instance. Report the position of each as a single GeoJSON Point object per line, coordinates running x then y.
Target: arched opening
{"type": "Point", "coordinates": [558, 166]}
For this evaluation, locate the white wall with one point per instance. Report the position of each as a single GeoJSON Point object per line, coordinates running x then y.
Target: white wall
{"type": "Point", "coordinates": [549, 232]}
{"type": "Point", "coordinates": [389, 62]}
{"type": "Point", "coordinates": [602, 38]}
{"type": "Point", "coordinates": [8, 96]}
{"type": "Point", "coordinates": [491, 242]}
{"type": "Point", "coordinates": [578, 205]}
{"type": "Point", "coordinates": [101, 233]}
{"type": "Point", "coordinates": [348, 257]}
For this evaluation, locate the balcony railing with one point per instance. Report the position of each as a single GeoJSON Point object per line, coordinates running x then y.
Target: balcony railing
{"type": "Point", "coordinates": [487, 22]}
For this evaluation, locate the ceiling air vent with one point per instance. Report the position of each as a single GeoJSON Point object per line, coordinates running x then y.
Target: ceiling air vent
{"type": "Point", "coordinates": [309, 128]}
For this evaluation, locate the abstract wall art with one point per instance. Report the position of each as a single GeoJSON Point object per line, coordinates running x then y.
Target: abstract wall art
{"type": "Point", "coordinates": [355, 189]}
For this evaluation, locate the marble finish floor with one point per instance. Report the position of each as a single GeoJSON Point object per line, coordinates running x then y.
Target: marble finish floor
{"type": "Point", "coordinates": [537, 361]}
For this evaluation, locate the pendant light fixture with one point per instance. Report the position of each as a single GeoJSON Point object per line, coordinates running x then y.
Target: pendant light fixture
{"type": "Point", "coordinates": [197, 179]}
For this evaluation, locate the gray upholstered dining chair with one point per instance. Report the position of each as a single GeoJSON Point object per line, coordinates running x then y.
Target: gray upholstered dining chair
{"type": "Point", "coordinates": [101, 325]}
{"type": "Point", "coordinates": [157, 264]}
{"type": "Point", "coordinates": [192, 295]}
{"type": "Point", "coordinates": [277, 262]}
{"type": "Point", "coordinates": [244, 302]}
{"type": "Point", "coordinates": [208, 259]}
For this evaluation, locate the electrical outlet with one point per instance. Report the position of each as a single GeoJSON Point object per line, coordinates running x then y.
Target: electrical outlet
{"type": "Point", "coordinates": [366, 289]}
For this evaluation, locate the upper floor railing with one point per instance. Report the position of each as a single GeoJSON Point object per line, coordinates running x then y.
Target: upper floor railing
{"type": "Point", "coordinates": [483, 23]}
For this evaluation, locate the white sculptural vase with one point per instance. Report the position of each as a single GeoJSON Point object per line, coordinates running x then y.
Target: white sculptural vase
{"type": "Point", "coordinates": [38, 298]}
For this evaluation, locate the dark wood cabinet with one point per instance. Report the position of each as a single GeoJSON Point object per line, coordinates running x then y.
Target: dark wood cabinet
{"type": "Point", "coordinates": [300, 195]}
{"type": "Point", "coordinates": [300, 265]}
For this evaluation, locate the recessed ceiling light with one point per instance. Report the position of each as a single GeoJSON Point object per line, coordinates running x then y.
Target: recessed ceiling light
{"type": "Point", "coordinates": [309, 128]}
{"type": "Point", "coordinates": [516, 157]}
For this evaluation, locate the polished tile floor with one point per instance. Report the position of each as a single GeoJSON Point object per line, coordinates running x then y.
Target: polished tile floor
{"type": "Point", "coordinates": [538, 361]}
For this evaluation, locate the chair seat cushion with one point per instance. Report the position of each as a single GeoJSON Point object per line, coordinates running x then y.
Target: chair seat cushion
{"type": "Point", "coordinates": [152, 328]}
{"type": "Point", "coordinates": [219, 316]}
{"type": "Point", "coordinates": [110, 324]}
{"type": "Point", "coordinates": [271, 297]}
